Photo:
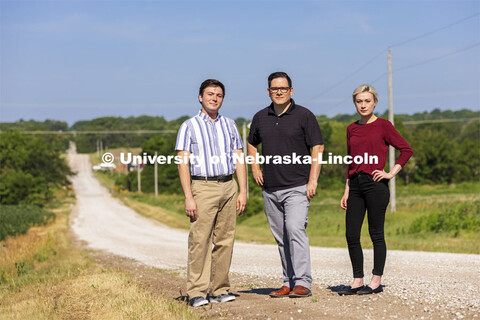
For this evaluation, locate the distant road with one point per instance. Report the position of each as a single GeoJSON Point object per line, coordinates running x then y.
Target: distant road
{"type": "Point", "coordinates": [442, 282]}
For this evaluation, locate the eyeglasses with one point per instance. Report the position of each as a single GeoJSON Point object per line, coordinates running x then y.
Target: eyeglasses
{"type": "Point", "coordinates": [282, 89]}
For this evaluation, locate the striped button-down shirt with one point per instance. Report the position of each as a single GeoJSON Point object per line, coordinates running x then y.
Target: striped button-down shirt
{"type": "Point", "coordinates": [212, 144]}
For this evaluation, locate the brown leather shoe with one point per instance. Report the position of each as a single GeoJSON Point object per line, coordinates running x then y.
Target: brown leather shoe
{"type": "Point", "coordinates": [300, 292]}
{"type": "Point", "coordinates": [283, 292]}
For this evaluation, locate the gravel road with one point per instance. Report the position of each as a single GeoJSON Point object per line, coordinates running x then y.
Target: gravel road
{"type": "Point", "coordinates": [419, 284]}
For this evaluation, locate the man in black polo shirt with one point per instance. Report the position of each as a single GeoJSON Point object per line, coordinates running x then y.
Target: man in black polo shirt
{"type": "Point", "coordinates": [290, 131]}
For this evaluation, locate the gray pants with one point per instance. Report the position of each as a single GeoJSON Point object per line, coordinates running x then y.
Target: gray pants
{"type": "Point", "coordinates": [287, 215]}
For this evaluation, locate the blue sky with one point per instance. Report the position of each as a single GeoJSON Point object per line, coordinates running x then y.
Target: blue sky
{"type": "Point", "coordinates": [78, 60]}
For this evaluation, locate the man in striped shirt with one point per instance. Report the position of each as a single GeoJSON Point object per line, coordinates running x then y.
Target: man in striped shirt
{"type": "Point", "coordinates": [210, 141]}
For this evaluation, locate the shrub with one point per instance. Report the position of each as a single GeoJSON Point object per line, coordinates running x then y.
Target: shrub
{"type": "Point", "coordinates": [17, 219]}
{"type": "Point", "coordinates": [465, 217]}
{"type": "Point", "coordinates": [18, 187]}
{"type": "Point", "coordinates": [30, 168]}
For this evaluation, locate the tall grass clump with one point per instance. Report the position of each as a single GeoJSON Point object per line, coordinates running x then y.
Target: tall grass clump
{"type": "Point", "coordinates": [17, 219]}
{"type": "Point", "coordinates": [462, 218]}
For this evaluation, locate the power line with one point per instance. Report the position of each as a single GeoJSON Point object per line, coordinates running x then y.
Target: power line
{"type": "Point", "coordinates": [411, 66]}
{"type": "Point", "coordinates": [349, 98]}
{"type": "Point", "coordinates": [341, 102]}
{"type": "Point", "coordinates": [349, 76]}
{"type": "Point", "coordinates": [396, 45]}
{"type": "Point", "coordinates": [437, 58]}
{"type": "Point", "coordinates": [435, 31]}
{"type": "Point", "coordinates": [426, 61]}
{"type": "Point", "coordinates": [378, 78]}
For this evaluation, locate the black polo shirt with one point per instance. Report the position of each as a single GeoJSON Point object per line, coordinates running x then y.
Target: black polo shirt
{"type": "Point", "coordinates": [295, 131]}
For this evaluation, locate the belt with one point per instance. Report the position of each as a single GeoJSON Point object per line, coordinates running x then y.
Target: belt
{"type": "Point", "coordinates": [356, 175]}
{"type": "Point", "coordinates": [217, 178]}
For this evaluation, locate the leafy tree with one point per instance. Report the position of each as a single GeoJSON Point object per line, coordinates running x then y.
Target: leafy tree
{"type": "Point", "coordinates": [435, 160]}
{"type": "Point", "coordinates": [30, 168]}
{"type": "Point", "coordinates": [468, 153]}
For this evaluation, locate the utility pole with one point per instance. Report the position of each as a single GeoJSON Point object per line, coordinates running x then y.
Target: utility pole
{"type": "Point", "coordinates": [156, 175]}
{"type": "Point", "coordinates": [139, 179]}
{"type": "Point", "coordinates": [245, 150]}
{"type": "Point", "coordinates": [391, 150]}
{"type": "Point", "coordinates": [98, 150]}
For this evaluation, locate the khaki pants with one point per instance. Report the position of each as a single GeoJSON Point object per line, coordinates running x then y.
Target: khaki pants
{"type": "Point", "coordinates": [216, 208]}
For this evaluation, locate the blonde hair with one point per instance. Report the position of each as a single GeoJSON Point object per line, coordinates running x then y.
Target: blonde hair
{"type": "Point", "coordinates": [365, 88]}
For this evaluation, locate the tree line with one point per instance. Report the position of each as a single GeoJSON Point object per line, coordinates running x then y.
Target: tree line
{"type": "Point", "coordinates": [444, 152]}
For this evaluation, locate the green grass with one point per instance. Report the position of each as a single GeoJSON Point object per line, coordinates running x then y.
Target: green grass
{"type": "Point", "coordinates": [42, 276]}
{"type": "Point", "coordinates": [327, 219]}
{"type": "Point", "coordinates": [469, 188]}
{"type": "Point", "coordinates": [326, 225]}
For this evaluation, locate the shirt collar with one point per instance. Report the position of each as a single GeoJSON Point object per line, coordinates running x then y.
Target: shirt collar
{"type": "Point", "coordinates": [290, 109]}
{"type": "Point", "coordinates": [206, 118]}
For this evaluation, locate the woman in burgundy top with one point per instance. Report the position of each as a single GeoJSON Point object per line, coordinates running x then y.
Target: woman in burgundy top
{"type": "Point", "coordinates": [367, 186]}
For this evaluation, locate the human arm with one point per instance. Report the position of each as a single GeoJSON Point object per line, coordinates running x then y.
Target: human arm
{"type": "Point", "coordinates": [393, 138]}
{"type": "Point", "coordinates": [257, 173]}
{"type": "Point", "coordinates": [184, 173]}
{"type": "Point", "coordinates": [381, 174]}
{"type": "Point", "coordinates": [254, 139]}
{"type": "Point", "coordinates": [241, 171]}
{"type": "Point", "coordinates": [313, 137]}
{"type": "Point", "coordinates": [343, 202]}
{"type": "Point", "coordinates": [315, 168]}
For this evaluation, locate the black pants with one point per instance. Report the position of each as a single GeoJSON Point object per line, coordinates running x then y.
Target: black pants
{"type": "Point", "coordinates": [367, 195]}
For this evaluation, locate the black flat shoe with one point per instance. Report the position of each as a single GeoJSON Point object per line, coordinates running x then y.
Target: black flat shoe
{"type": "Point", "coordinates": [368, 290]}
{"type": "Point", "coordinates": [347, 291]}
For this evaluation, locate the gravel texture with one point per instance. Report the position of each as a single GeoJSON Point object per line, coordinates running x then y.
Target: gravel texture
{"type": "Point", "coordinates": [417, 284]}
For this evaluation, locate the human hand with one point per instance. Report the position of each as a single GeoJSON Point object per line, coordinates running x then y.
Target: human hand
{"type": "Point", "coordinates": [381, 174]}
{"type": "Point", "coordinates": [311, 189]}
{"type": "Point", "coordinates": [191, 208]}
{"type": "Point", "coordinates": [258, 176]}
{"type": "Point", "coordinates": [241, 202]}
{"type": "Point", "coordinates": [343, 202]}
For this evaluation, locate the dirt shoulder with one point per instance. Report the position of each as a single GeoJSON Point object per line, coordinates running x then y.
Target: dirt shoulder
{"type": "Point", "coordinates": [417, 284]}
{"type": "Point", "coordinates": [253, 302]}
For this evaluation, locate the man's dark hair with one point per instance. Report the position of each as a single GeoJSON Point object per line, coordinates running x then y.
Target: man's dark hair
{"type": "Point", "coordinates": [213, 83]}
{"type": "Point", "coordinates": [279, 74]}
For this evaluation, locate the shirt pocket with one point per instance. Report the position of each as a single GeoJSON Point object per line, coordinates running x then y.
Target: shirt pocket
{"type": "Point", "coordinates": [194, 146]}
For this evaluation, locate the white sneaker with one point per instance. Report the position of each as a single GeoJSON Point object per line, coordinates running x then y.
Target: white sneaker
{"type": "Point", "coordinates": [222, 298]}
{"type": "Point", "coordinates": [197, 302]}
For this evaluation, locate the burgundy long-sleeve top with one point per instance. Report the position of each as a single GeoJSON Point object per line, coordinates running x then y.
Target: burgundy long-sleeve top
{"type": "Point", "coordinates": [374, 138]}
